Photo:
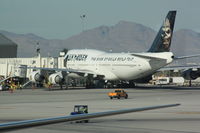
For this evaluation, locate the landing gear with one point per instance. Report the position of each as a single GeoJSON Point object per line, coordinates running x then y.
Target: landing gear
{"type": "Point", "coordinates": [99, 83]}
{"type": "Point", "coordinates": [109, 84]}
{"type": "Point", "coordinates": [92, 83]}
{"type": "Point", "coordinates": [131, 84]}
{"type": "Point", "coordinates": [190, 83]}
{"type": "Point", "coordinates": [61, 87]}
{"type": "Point", "coordinates": [89, 83]}
{"type": "Point", "coordinates": [127, 84]}
{"type": "Point", "coordinates": [120, 84]}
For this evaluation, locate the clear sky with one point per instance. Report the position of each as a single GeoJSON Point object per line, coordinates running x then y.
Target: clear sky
{"type": "Point", "coordinates": [60, 19]}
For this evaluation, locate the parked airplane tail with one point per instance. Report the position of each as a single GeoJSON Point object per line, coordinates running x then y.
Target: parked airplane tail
{"type": "Point", "coordinates": [162, 41]}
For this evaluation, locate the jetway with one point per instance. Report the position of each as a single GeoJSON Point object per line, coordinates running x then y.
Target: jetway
{"type": "Point", "coordinates": [13, 70]}
{"type": "Point", "coordinates": [14, 76]}
{"type": "Point", "coordinates": [17, 67]}
{"type": "Point", "coordinates": [7, 65]}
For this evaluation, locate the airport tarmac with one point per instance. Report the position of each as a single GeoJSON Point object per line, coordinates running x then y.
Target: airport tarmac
{"type": "Point", "coordinates": [40, 103]}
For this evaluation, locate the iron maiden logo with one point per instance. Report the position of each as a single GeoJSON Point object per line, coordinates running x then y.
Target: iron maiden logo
{"type": "Point", "coordinates": [76, 57]}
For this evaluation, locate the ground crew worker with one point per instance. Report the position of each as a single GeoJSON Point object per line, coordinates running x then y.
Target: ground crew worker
{"type": "Point", "coordinates": [1, 87]}
{"type": "Point", "coordinates": [11, 88]}
{"type": "Point", "coordinates": [49, 85]}
{"type": "Point", "coordinates": [83, 109]}
{"type": "Point", "coordinates": [20, 87]}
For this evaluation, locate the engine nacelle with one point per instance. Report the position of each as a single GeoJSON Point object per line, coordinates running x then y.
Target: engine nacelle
{"type": "Point", "coordinates": [190, 74]}
{"type": "Point", "coordinates": [74, 75]}
{"type": "Point", "coordinates": [36, 76]}
{"type": "Point", "coordinates": [56, 78]}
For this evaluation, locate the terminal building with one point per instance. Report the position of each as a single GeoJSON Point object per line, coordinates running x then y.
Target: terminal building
{"type": "Point", "coordinates": [9, 60]}
{"type": "Point", "coordinates": [7, 65]}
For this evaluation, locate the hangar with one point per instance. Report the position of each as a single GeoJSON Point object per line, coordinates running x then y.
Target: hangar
{"type": "Point", "coordinates": [8, 49]}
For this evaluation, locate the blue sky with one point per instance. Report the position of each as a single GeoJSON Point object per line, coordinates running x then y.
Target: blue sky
{"type": "Point", "coordinates": [60, 19]}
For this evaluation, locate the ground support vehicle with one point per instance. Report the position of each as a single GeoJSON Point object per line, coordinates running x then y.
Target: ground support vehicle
{"type": "Point", "coordinates": [118, 93]}
{"type": "Point", "coordinates": [80, 109]}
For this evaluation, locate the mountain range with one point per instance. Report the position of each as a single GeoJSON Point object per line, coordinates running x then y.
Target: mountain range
{"type": "Point", "coordinates": [122, 37]}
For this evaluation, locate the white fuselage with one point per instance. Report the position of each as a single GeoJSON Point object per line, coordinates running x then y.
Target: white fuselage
{"type": "Point", "coordinates": [117, 66]}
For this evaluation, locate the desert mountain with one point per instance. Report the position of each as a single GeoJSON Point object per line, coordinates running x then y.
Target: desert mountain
{"type": "Point", "coordinates": [122, 37]}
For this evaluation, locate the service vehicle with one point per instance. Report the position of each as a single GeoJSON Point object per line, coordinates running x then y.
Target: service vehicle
{"type": "Point", "coordinates": [118, 94]}
{"type": "Point", "coordinates": [80, 109]}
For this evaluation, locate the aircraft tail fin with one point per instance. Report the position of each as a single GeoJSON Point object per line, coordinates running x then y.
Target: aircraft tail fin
{"type": "Point", "coordinates": [162, 42]}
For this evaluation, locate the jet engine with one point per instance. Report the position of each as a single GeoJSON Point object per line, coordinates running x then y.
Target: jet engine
{"type": "Point", "coordinates": [191, 74]}
{"type": "Point", "coordinates": [55, 78]}
{"type": "Point", "coordinates": [36, 76]}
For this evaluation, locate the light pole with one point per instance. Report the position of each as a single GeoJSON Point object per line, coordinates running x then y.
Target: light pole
{"type": "Point", "coordinates": [83, 18]}
{"type": "Point", "coordinates": [38, 49]}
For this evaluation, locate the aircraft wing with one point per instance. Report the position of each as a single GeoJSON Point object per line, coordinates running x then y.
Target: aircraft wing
{"type": "Point", "coordinates": [179, 67]}
{"type": "Point", "coordinates": [67, 70]}
{"type": "Point", "coordinates": [185, 67]}
{"type": "Point", "coordinates": [38, 122]}
{"type": "Point", "coordinates": [184, 57]}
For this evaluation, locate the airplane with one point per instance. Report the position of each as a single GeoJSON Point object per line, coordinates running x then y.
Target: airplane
{"type": "Point", "coordinates": [100, 67]}
{"type": "Point", "coordinates": [45, 121]}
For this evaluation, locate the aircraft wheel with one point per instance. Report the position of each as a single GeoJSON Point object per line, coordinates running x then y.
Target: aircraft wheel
{"type": "Point", "coordinates": [86, 121]}
{"type": "Point", "coordinates": [131, 84]}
